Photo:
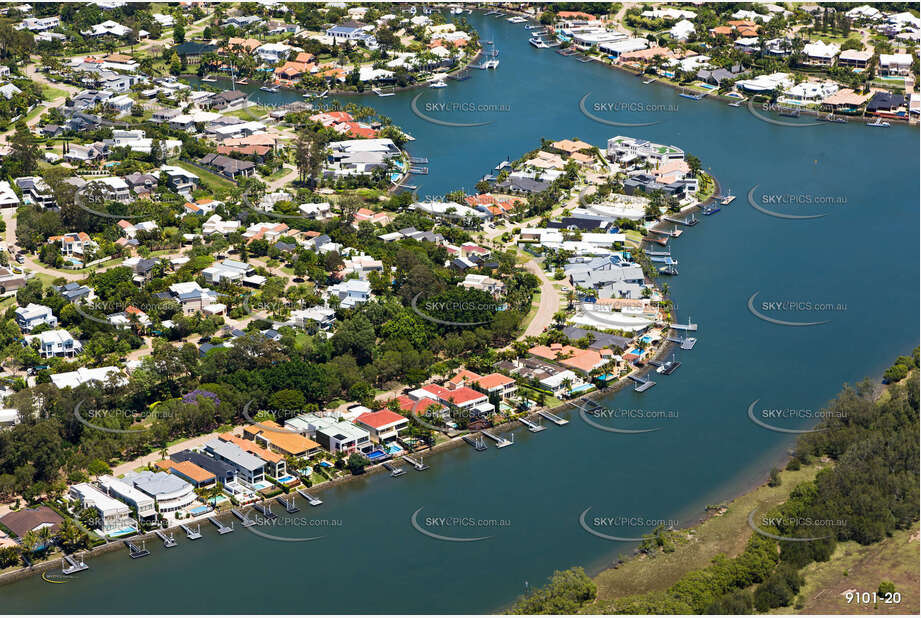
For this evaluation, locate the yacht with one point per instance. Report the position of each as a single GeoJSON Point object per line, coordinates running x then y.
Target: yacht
{"type": "Point", "coordinates": [438, 84]}
{"type": "Point", "coordinates": [879, 122]}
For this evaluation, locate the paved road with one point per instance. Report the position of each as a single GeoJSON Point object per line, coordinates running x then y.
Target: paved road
{"type": "Point", "coordinates": [549, 302]}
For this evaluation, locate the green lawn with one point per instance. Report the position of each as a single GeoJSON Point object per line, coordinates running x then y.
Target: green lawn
{"type": "Point", "coordinates": [212, 182]}
{"type": "Point", "coordinates": [50, 93]}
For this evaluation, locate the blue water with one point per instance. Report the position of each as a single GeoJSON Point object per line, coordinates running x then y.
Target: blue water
{"type": "Point", "coordinates": [863, 254]}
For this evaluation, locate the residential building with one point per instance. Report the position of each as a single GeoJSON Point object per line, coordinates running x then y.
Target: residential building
{"type": "Point", "coordinates": [197, 476]}
{"type": "Point", "coordinates": [8, 197]}
{"type": "Point", "coordinates": [170, 492]}
{"type": "Point", "coordinates": [275, 465]}
{"type": "Point", "coordinates": [27, 520]}
{"type": "Point", "coordinates": [342, 437]}
{"type": "Point", "coordinates": [52, 343]}
{"type": "Point", "coordinates": [227, 166]}
{"type": "Point", "coordinates": [144, 505]}
{"type": "Point", "coordinates": [180, 180]}
{"type": "Point", "coordinates": [114, 516]}
{"type": "Point", "coordinates": [36, 191]}
{"type": "Point", "coordinates": [250, 469]}
{"type": "Point", "coordinates": [103, 375]}
{"type": "Point", "coordinates": [272, 435]}
{"type": "Point", "coordinates": [223, 472]}
{"type": "Point", "coordinates": [33, 315]}
{"type": "Point", "coordinates": [383, 426]}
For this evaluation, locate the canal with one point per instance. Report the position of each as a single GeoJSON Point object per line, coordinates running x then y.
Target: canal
{"type": "Point", "coordinates": [527, 498]}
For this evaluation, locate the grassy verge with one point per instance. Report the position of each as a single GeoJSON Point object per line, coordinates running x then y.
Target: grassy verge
{"type": "Point", "coordinates": [861, 568]}
{"type": "Point", "coordinates": [722, 534]}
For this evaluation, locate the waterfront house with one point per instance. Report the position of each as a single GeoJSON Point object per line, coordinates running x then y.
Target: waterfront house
{"type": "Point", "coordinates": [463, 397]}
{"type": "Point", "coordinates": [227, 101]}
{"type": "Point", "coordinates": [250, 469]}
{"type": "Point", "coordinates": [561, 383]}
{"type": "Point", "coordinates": [342, 437]}
{"type": "Point", "coordinates": [570, 357]}
{"type": "Point", "coordinates": [27, 520]}
{"type": "Point", "coordinates": [33, 315]}
{"type": "Point", "coordinates": [197, 476]}
{"type": "Point", "coordinates": [170, 492]}
{"type": "Point", "coordinates": [272, 435]}
{"type": "Point", "coordinates": [383, 426]}
{"type": "Point", "coordinates": [144, 505]}
{"type": "Point", "coordinates": [223, 472]}
{"type": "Point", "coordinates": [274, 462]}
{"type": "Point", "coordinates": [622, 149]}
{"type": "Point", "coordinates": [114, 516]}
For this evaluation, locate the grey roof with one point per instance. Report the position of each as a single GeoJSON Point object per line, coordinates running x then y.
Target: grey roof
{"type": "Point", "coordinates": [214, 466]}
{"type": "Point", "coordinates": [235, 454]}
{"type": "Point", "coordinates": [155, 483]}
{"type": "Point", "coordinates": [600, 340]}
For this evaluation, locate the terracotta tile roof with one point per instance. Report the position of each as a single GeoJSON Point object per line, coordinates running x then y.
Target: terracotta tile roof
{"type": "Point", "coordinates": [285, 440]}
{"type": "Point", "coordinates": [251, 447]}
{"type": "Point", "coordinates": [190, 470]}
{"type": "Point", "coordinates": [380, 419]}
{"type": "Point", "coordinates": [494, 380]}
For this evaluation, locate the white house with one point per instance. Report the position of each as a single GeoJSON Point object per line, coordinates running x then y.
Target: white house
{"type": "Point", "coordinates": [55, 343]}
{"type": "Point", "coordinates": [33, 315]}
{"type": "Point", "coordinates": [114, 516]}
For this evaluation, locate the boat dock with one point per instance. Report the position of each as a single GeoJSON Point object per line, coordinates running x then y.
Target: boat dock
{"type": "Point", "coordinates": [418, 465]}
{"type": "Point", "coordinates": [419, 171]}
{"type": "Point", "coordinates": [74, 566]}
{"type": "Point", "coordinates": [221, 528]}
{"type": "Point", "coordinates": [667, 260]}
{"type": "Point", "coordinates": [686, 327]}
{"type": "Point", "coordinates": [137, 552]}
{"type": "Point", "coordinates": [191, 534]}
{"type": "Point", "coordinates": [668, 367]}
{"type": "Point", "coordinates": [553, 418]}
{"type": "Point", "coordinates": [689, 222]}
{"type": "Point", "coordinates": [642, 384]}
{"type": "Point", "coordinates": [243, 517]}
{"type": "Point", "coordinates": [478, 443]}
{"type": "Point", "coordinates": [532, 427]}
{"type": "Point", "coordinates": [500, 441]}
{"type": "Point", "coordinates": [168, 541]}
{"type": "Point", "coordinates": [265, 509]}
{"type": "Point", "coordinates": [418, 160]}
{"type": "Point", "coordinates": [394, 471]}
{"type": "Point", "coordinates": [310, 499]}
{"type": "Point", "coordinates": [686, 343]}
{"type": "Point", "coordinates": [653, 254]}
{"type": "Point", "coordinates": [660, 241]}
{"type": "Point", "coordinates": [290, 505]}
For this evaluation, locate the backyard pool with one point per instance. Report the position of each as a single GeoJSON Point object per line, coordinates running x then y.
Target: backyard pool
{"type": "Point", "coordinates": [199, 510]}
{"type": "Point", "coordinates": [286, 479]}
{"type": "Point", "coordinates": [376, 455]}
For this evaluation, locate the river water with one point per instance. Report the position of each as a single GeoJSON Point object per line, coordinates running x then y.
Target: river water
{"type": "Point", "coordinates": [861, 257]}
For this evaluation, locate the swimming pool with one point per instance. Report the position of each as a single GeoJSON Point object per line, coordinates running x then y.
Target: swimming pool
{"type": "Point", "coordinates": [393, 449]}
{"type": "Point", "coordinates": [325, 464]}
{"type": "Point", "coordinates": [123, 532]}
{"type": "Point", "coordinates": [395, 177]}
{"type": "Point", "coordinates": [580, 389]}
{"type": "Point", "coordinates": [200, 510]}
{"type": "Point", "coordinates": [636, 351]}
{"type": "Point", "coordinates": [286, 479]}
{"type": "Point", "coordinates": [646, 339]}
{"type": "Point", "coordinates": [376, 455]}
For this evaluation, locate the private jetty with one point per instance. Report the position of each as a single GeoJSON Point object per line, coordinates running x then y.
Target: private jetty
{"type": "Point", "coordinates": [500, 441]}
{"type": "Point", "coordinates": [289, 505]}
{"type": "Point", "coordinates": [136, 551]}
{"type": "Point", "coordinates": [532, 426]}
{"type": "Point", "coordinates": [310, 499]}
{"type": "Point", "coordinates": [73, 565]}
{"type": "Point", "coordinates": [168, 541]}
{"type": "Point", "coordinates": [476, 441]}
{"type": "Point", "coordinates": [243, 517]}
{"type": "Point", "coordinates": [394, 471]}
{"type": "Point", "coordinates": [221, 528]}
{"type": "Point", "coordinates": [191, 534]}
{"type": "Point", "coordinates": [642, 383]}
{"type": "Point", "coordinates": [416, 463]}
{"type": "Point", "coordinates": [553, 418]}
